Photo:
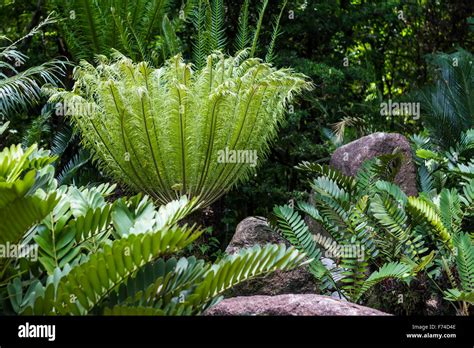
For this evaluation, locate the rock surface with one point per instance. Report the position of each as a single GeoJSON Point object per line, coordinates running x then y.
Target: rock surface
{"type": "Point", "coordinates": [255, 230]}
{"type": "Point", "coordinates": [290, 304]}
{"type": "Point", "coordinates": [349, 158]}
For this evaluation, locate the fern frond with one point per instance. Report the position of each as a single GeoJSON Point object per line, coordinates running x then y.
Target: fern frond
{"type": "Point", "coordinates": [86, 285]}
{"type": "Point", "coordinates": [261, 14]}
{"type": "Point", "coordinates": [275, 34]}
{"type": "Point", "coordinates": [234, 269]}
{"type": "Point", "coordinates": [168, 130]}
{"type": "Point", "coordinates": [427, 213]}
{"type": "Point", "coordinates": [242, 39]}
{"type": "Point", "coordinates": [394, 270]}
{"type": "Point", "coordinates": [465, 261]}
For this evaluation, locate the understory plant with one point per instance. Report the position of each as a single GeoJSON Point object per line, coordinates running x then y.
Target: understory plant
{"type": "Point", "coordinates": [21, 88]}
{"type": "Point", "coordinates": [173, 131]}
{"type": "Point", "coordinates": [447, 105]}
{"type": "Point", "coordinates": [97, 256]}
{"type": "Point", "coordinates": [400, 236]}
{"type": "Point", "coordinates": [438, 167]}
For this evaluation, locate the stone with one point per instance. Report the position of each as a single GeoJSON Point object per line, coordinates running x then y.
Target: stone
{"type": "Point", "coordinates": [255, 230]}
{"type": "Point", "coordinates": [289, 304]}
{"type": "Point", "coordinates": [349, 158]}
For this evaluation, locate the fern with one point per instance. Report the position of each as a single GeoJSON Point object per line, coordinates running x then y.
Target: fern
{"type": "Point", "coordinates": [217, 38]}
{"type": "Point", "coordinates": [261, 14]}
{"type": "Point", "coordinates": [170, 125]}
{"type": "Point", "coordinates": [275, 34]}
{"type": "Point", "coordinates": [242, 39]}
{"type": "Point", "coordinates": [97, 27]}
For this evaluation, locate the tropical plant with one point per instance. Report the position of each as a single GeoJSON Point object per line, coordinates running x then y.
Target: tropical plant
{"type": "Point", "coordinates": [76, 226]}
{"type": "Point", "coordinates": [109, 258]}
{"type": "Point", "coordinates": [26, 197]}
{"type": "Point", "coordinates": [447, 105]}
{"type": "Point", "coordinates": [405, 235]}
{"type": "Point", "coordinates": [98, 27]}
{"type": "Point", "coordinates": [21, 89]}
{"type": "Point", "coordinates": [168, 132]}
{"type": "Point", "coordinates": [438, 168]}
{"type": "Point", "coordinates": [209, 24]}
{"type": "Point", "coordinates": [463, 289]}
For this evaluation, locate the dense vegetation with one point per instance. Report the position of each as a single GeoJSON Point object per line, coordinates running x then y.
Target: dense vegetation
{"type": "Point", "coordinates": [135, 135]}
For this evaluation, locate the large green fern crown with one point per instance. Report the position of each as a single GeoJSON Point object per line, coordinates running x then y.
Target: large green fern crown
{"type": "Point", "coordinates": [175, 130]}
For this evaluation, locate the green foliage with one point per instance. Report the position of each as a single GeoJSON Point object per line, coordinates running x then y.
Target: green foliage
{"type": "Point", "coordinates": [406, 235]}
{"type": "Point", "coordinates": [78, 223]}
{"type": "Point", "coordinates": [101, 257]}
{"type": "Point", "coordinates": [25, 180]}
{"type": "Point", "coordinates": [210, 27]}
{"type": "Point", "coordinates": [169, 287]}
{"type": "Point", "coordinates": [99, 27]}
{"type": "Point", "coordinates": [21, 89]}
{"type": "Point", "coordinates": [448, 104]}
{"type": "Point", "coordinates": [164, 131]}
{"type": "Point", "coordinates": [440, 168]}
{"type": "Point", "coordinates": [293, 228]}
{"type": "Point", "coordinates": [352, 273]}
{"type": "Point", "coordinates": [465, 266]}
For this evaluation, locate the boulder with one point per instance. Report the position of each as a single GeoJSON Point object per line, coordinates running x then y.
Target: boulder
{"type": "Point", "coordinates": [349, 158]}
{"type": "Point", "coordinates": [255, 230]}
{"type": "Point", "coordinates": [289, 304]}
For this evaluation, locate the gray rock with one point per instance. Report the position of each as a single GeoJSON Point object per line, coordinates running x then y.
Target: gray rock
{"type": "Point", "coordinates": [255, 230]}
{"type": "Point", "coordinates": [290, 304]}
{"type": "Point", "coordinates": [349, 158]}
